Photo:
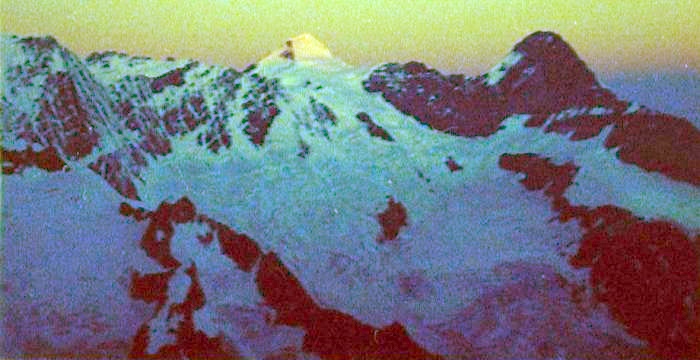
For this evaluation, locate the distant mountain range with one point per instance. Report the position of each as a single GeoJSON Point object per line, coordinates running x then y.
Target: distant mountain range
{"type": "Point", "coordinates": [305, 208]}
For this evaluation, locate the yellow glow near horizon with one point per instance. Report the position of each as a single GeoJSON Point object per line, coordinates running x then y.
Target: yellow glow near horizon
{"type": "Point", "coordinates": [457, 36]}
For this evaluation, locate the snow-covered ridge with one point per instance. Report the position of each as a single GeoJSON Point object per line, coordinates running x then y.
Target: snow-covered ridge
{"type": "Point", "coordinates": [36, 69]}
{"type": "Point", "coordinates": [208, 113]}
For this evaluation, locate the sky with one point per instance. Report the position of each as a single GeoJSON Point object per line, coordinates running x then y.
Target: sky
{"type": "Point", "coordinates": [467, 36]}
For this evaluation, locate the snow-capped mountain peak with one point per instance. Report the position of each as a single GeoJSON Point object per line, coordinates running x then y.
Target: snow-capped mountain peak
{"type": "Point", "coordinates": [303, 47]}
{"type": "Point", "coordinates": [53, 103]}
{"type": "Point", "coordinates": [263, 212]}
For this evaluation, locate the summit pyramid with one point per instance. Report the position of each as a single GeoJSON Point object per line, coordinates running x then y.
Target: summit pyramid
{"type": "Point", "coordinates": [302, 47]}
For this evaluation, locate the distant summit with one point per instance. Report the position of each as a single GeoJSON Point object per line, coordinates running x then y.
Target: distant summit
{"type": "Point", "coordinates": [550, 76]}
{"type": "Point", "coordinates": [301, 48]}
{"type": "Point", "coordinates": [542, 75]}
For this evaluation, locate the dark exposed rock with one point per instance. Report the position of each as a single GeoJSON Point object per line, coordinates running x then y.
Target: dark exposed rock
{"type": "Point", "coordinates": [110, 168]}
{"type": "Point", "coordinates": [551, 77]}
{"type": "Point", "coordinates": [374, 129]}
{"type": "Point", "coordinates": [279, 288]}
{"type": "Point", "coordinates": [260, 108]}
{"type": "Point", "coordinates": [452, 164]}
{"type": "Point", "coordinates": [63, 119]}
{"type": "Point", "coordinates": [660, 143]}
{"type": "Point", "coordinates": [171, 78]}
{"type": "Point", "coordinates": [645, 271]}
{"type": "Point", "coordinates": [545, 82]}
{"type": "Point", "coordinates": [46, 43]}
{"type": "Point", "coordinates": [13, 161]}
{"type": "Point", "coordinates": [474, 110]}
{"type": "Point", "coordinates": [295, 307]}
{"type": "Point", "coordinates": [392, 219]}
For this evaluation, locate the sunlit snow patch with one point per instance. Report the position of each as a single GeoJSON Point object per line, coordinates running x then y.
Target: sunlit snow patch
{"type": "Point", "coordinates": [497, 73]}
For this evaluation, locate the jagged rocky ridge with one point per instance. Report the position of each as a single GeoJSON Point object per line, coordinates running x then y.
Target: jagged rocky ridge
{"type": "Point", "coordinates": [550, 83]}
{"type": "Point", "coordinates": [308, 184]}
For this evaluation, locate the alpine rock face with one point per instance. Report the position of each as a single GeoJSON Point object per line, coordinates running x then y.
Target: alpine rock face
{"type": "Point", "coordinates": [305, 208]}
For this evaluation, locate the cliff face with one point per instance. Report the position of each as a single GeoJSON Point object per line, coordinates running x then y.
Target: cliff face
{"type": "Point", "coordinates": [302, 207]}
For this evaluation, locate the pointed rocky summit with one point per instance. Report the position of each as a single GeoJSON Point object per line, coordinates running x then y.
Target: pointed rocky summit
{"type": "Point", "coordinates": [549, 76]}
